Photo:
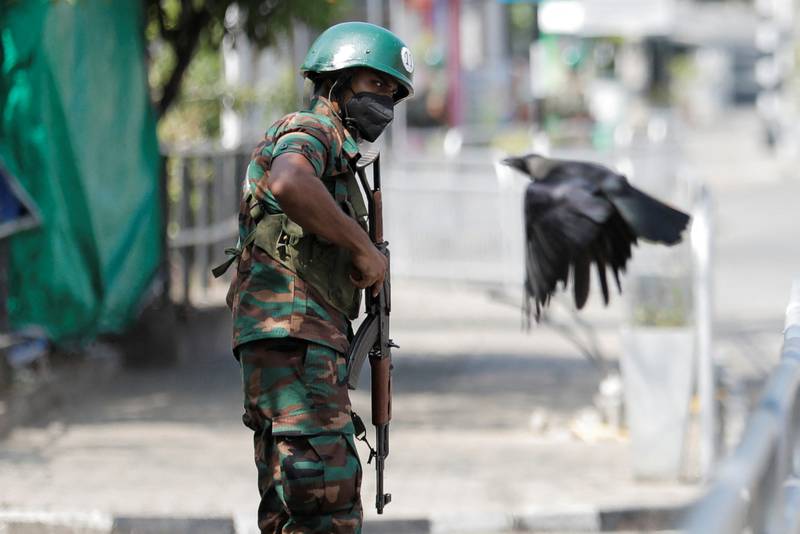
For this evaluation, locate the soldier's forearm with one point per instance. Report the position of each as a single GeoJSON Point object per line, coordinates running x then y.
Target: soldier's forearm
{"type": "Point", "coordinates": [304, 198]}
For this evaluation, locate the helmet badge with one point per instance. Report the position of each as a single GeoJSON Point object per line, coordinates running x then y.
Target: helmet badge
{"type": "Point", "coordinates": [408, 59]}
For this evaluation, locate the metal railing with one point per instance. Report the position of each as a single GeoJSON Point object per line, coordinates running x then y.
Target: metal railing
{"type": "Point", "coordinates": [445, 219]}
{"type": "Point", "coordinates": [203, 194]}
{"type": "Point", "coordinates": [456, 219]}
{"type": "Point", "coordinates": [757, 488]}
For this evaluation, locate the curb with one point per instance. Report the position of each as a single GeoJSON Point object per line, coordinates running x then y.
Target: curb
{"type": "Point", "coordinates": [173, 525]}
{"type": "Point", "coordinates": [625, 519]}
{"type": "Point", "coordinates": [637, 519]}
{"type": "Point", "coordinates": [38, 522]}
{"type": "Point", "coordinates": [647, 519]}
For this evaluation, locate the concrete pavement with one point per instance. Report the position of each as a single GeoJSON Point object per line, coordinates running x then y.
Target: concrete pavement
{"type": "Point", "coordinates": [465, 456]}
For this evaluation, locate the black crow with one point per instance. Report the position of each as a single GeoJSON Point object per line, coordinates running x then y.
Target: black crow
{"type": "Point", "coordinates": [578, 213]}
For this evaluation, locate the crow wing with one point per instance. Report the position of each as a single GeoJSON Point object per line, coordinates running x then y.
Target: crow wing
{"type": "Point", "coordinates": [578, 214]}
{"type": "Point", "coordinates": [564, 225]}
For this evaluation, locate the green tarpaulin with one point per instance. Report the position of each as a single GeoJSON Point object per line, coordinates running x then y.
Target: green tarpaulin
{"type": "Point", "coordinates": [79, 135]}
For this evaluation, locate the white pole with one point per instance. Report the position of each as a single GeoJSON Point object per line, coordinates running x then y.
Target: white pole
{"type": "Point", "coordinates": [235, 63]}
{"type": "Point", "coordinates": [399, 126]}
{"type": "Point", "coordinates": [301, 41]}
{"type": "Point", "coordinates": [375, 12]}
{"type": "Point", "coordinates": [702, 252]}
{"type": "Point", "coordinates": [792, 328]}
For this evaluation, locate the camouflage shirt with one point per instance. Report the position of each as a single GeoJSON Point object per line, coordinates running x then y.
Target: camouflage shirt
{"type": "Point", "coordinates": [268, 300]}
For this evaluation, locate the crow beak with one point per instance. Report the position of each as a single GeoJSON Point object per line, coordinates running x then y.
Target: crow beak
{"type": "Point", "coordinates": [514, 163]}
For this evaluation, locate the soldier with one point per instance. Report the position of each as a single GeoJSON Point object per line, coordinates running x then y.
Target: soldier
{"type": "Point", "coordinates": [303, 258]}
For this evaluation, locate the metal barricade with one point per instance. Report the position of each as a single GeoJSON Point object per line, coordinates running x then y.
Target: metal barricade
{"type": "Point", "coordinates": [757, 488]}
{"type": "Point", "coordinates": [203, 194]}
{"type": "Point", "coordinates": [443, 218]}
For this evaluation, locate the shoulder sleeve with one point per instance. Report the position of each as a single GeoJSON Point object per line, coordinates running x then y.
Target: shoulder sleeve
{"type": "Point", "coordinates": [314, 136]}
{"type": "Point", "coordinates": [305, 144]}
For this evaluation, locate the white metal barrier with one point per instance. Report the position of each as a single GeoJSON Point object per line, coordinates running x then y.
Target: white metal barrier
{"type": "Point", "coordinates": [702, 241]}
{"type": "Point", "coordinates": [442, 219]}
{"type": "Point", "coordinates": [757, 488]}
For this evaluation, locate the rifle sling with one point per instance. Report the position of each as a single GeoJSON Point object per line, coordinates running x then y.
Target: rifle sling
{"type": "Point", "coordinates": [361, 434]}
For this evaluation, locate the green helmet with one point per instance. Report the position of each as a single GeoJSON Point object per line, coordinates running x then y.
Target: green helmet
{"type": "Point", "coordinates": [360, 44]}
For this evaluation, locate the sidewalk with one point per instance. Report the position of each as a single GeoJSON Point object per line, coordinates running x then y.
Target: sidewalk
{"type": "Point", "coordinates": [465, 456]}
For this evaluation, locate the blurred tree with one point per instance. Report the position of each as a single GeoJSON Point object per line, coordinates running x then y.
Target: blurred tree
{"type": "Point", "coordinates": [185, 27]}
{"type": "Point", "coordinates": [195, 113]}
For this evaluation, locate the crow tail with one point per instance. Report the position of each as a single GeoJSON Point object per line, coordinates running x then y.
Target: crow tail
{"type": "Point", "coordinates": [649, 218]}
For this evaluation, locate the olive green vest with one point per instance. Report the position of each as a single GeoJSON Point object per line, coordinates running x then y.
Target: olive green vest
{"type": "Point", "coordinates": [327, 267]}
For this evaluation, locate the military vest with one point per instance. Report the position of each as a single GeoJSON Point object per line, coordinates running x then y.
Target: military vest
{"type": "Point", "coordinates": [325, 266]}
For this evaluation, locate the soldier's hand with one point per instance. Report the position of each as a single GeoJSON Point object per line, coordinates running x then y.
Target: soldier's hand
{"type": "Point", "coordinates": [371, 266]}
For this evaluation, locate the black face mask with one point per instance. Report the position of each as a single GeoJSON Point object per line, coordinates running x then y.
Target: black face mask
{"type": "Point", "coordinates": [369, 114]}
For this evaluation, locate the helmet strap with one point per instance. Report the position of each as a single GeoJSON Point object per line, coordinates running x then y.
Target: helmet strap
{"type": "Point", "coordinates": [330, 98]}
{"type": "Point", "coordinates": [330, 91]}
{"type": "Point", "coordinates": [344, 78]}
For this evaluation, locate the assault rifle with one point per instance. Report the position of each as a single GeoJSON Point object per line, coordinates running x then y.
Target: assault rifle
{"type": "Point", "coordinates": [372, 339]}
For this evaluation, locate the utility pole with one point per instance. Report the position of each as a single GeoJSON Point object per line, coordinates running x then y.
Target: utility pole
{"type": "Point", "coordinates": [535, 59]}
{"type": "Point", "coordinates": [775, 43]}
{"type": "Point", "coordinates": [301, 42]}
{"type": "Point", "coordinates": [399, 127]}
{"type": "Point", "coordinates": [455, 104]}
{"type": "Point", "coordinates": [375, 12]}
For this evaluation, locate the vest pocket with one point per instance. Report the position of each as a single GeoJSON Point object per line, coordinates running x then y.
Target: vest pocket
{"type": "Point", "coordinates": [323, 265]}
{"type": "Point", "coordinates": [328, 266]}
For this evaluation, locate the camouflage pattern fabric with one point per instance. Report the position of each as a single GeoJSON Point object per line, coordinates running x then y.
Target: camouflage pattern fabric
{"type": "Point", "coordinates": [271, 301]}
{"type": "Point", "coordinates": [267, 300]}
{"type": "Point", "coordinates": [297, 404]}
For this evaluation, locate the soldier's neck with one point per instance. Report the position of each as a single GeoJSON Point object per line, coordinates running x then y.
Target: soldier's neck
{"type": "Point", "coordinates": [332, 105]}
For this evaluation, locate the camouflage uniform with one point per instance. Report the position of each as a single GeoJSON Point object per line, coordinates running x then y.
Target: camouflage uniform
{"type": "Point", "coordinates": [291, 344]}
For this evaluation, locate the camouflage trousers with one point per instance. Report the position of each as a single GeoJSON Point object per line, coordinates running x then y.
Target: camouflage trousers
{"type": "Point", "coordinates": [297, 404]}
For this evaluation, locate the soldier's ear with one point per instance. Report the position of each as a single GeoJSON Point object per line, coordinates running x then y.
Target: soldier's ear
{"type": "Point", "coordinates": [322, 84]}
